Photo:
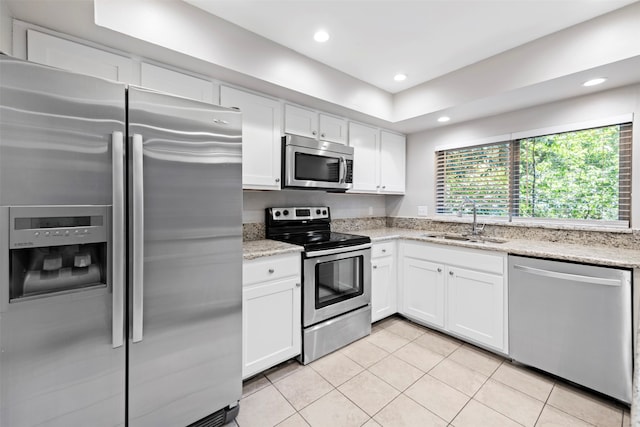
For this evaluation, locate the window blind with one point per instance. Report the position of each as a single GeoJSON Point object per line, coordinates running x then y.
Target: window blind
{"type": "Point", "coordinates": [480, 173]}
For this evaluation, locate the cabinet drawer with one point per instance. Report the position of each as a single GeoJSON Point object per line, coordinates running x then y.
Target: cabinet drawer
{"type": "Point", "coordinates": [270, 268]}
{"type": "Point", "coordinates": [382, 249]}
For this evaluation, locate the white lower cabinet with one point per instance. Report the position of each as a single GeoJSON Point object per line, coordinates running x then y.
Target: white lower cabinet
{"type": "Point", "coordinates": [383, 281]}
{"type": "Point", "coordinates": [423, 291]}
{"type": "Point", "coordinates": [475, 305]}
{"type": "Point", "coordinates": [271, 318]}
{"type": "Point", "coordinates": [458, 290]}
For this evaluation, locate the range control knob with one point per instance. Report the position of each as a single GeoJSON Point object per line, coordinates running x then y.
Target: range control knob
{"type": "Point", "coordinates": [317, 211]}
{"type": "Point", "coordinates": [324, 212]}
{"type": "Point", "coordinates": [285, 212]}
{"type": "Point", "coordinates": [277, 213]}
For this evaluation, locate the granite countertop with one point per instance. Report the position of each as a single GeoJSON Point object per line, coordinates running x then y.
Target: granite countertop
{"type": "Point", "coordinates": [598, 255]}
{"type": "Point", "coordinates": [261, 248]}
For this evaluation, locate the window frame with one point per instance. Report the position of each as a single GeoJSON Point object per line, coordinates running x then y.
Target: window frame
{"type": "Point", "coordinates": [513, 140]}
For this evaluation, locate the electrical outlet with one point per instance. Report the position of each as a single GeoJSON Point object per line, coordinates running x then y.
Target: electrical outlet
{"type": "Point", "coordinates": [370, 210]}
{"type": "Point", "coordinates": [423, 211]}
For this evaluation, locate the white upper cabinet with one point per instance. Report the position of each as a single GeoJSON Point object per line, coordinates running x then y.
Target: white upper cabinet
{"type": "Point", "coordinates": [169, 81]}
{"type": "Point", "coordinates": [366, 145]}
{"type": "Point", "coordinates": [300, 121]}
{"type": "Point", "coordinates": [261, 143]}
{"type": "Point", "coordinates": [392, 163]}
{"type": "Point", "coordinates": [56, 52]}
{"type": "Point", "coordinates": [310, 123]}
{"type": "Point", "coordinates": [333, 129]}
{"type": "Point", "coordinates": [379, 160]}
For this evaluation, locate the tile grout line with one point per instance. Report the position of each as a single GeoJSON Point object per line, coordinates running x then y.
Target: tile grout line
{"type": "Point", "coordinates": [567, 413]}
{"type": "Point", "coordinates": [471, 398]}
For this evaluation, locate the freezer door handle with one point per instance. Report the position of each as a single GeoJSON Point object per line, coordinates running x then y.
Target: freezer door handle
{"type": "Point", "coordinates": [117, 247]}
{"type": "Point", "coordinates": [138, 235]}
{"type": "Point", "coordinates": [568, 276]}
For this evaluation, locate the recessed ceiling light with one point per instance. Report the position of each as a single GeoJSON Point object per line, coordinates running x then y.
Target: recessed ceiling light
{"type": "Point", "coordinates": [444, 119]}
{"type": "Point", "coordinates": [400, 77]}
{"type": "Point", "coordinates": [594, 82]}
{"type": "Point", "coordinates": [321, 36]}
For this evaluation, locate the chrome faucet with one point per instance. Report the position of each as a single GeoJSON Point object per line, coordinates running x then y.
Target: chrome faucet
{"type": "Point", "coordinates": [475, 230]}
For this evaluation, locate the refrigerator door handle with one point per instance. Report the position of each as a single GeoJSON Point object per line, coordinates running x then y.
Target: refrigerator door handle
{"type": "Point", "coordinates": [117, 245]}
{"type": "Point", "coordinates": [138, 236]}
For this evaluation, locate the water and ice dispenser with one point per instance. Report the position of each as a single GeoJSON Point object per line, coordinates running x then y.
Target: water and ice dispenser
{"type": "Point", "coordinates": [56, 249]}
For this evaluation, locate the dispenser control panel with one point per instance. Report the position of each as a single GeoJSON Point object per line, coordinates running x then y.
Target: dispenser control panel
{"type": "Point", "coordinates": [40, 226]}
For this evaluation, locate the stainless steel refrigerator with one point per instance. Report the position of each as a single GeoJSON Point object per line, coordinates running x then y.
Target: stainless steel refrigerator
{"type": "Point", "coordinates": [120, 254]}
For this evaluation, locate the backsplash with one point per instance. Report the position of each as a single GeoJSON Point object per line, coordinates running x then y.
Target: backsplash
{"type": "Point", "coordinates": [352, 225]}
{"type": "Point", "coordinates": [256, 230]}
{"type": "Point", "coordinates": [253, 231]}
{"type": "Point", "coordinates": [623, 238]}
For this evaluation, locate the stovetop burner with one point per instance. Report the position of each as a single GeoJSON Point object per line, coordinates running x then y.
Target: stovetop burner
{"type": "Point", "coordinates": [309, 227]}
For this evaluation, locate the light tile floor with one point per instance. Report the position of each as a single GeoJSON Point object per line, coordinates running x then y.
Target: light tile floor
{"type": "Point", "coordinates": [404, 375]}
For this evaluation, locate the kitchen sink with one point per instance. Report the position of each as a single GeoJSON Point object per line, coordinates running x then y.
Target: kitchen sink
{"type": "Point", "coordinates": [464, 238]}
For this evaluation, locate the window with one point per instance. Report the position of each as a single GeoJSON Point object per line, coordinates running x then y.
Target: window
{"type": "Point", "coordinates": [577, 175]}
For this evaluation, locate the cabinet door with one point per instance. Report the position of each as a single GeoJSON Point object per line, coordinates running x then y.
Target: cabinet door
{"type": "Point", "coordinates": [176, 83]}
{"type": "Point", "coordinates": [392, 163]}
{"type": "Point", "coordinates": [271, 327]}
{"type": "Point", "coordinates": [76, 57]}
{"type": "Point", "coordinates": [423, 293]}
{"type": "Point", "coordinates": [300, 121]}
{"type": "Point", "coordinates": [333, 129]}
{"type": "Point", "coordinates": [383, 288]}
{"type": "Point", "coordinates": [365, 143]}
{"type": "Point", "coordinates": [261, 143]}
{"type": "Point", "coordinates": [475, 306]}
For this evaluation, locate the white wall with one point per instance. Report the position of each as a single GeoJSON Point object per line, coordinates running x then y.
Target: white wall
{"type": "Point", "coordinates": [421, 146]}
{"type": "Point", "coordinates": [342, 205]}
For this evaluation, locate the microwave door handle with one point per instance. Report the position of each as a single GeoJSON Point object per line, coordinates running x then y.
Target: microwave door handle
{"type": "Point", "coordinates": [117, 243]}
{"type": "Point", "coordinates": [343, 170]}
{"type": "Point", "coordinates": [138, 236]}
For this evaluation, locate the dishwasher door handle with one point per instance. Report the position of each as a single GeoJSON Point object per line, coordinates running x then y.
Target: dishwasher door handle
{"type": "Point", "coordinates": [567, 276]}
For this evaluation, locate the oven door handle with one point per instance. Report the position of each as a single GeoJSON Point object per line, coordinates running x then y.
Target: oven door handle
{"type": "Point", "coordinates": [335, 251]}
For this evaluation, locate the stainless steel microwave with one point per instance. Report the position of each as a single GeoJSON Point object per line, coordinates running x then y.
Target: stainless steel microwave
{"type": "Point", "coordinates": [316, 165]}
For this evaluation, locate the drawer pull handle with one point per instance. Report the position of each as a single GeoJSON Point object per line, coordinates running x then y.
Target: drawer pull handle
{"type": "Point", "coordinates": [271, 271]}
{"type": "Point", "coordinates": [451, 273]}
{"type": "Point", "coordinates": [439, 270]}
{"type": "Point", "coordinates": [298, 285]}
{"type": "Point", "coordinates": [384, 251]}
{"type": "Point", "coordinates": [375, 266]}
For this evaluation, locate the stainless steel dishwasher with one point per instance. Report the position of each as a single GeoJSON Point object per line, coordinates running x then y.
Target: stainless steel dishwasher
{"type": "Point", "coordinates": [573, 321]}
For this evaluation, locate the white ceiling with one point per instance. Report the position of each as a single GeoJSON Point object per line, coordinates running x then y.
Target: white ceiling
{"type": "Point", "coordinates": [425, 39]}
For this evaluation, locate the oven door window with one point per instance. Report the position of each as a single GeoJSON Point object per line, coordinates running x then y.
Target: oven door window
{"type": "Point", "coordinates": [338, 280]}
{"type": "Point", "coordinates": [311, 167]}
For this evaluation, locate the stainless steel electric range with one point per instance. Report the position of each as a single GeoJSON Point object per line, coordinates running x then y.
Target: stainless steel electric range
{"type": "Point", "coordinates": [336, 278]}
